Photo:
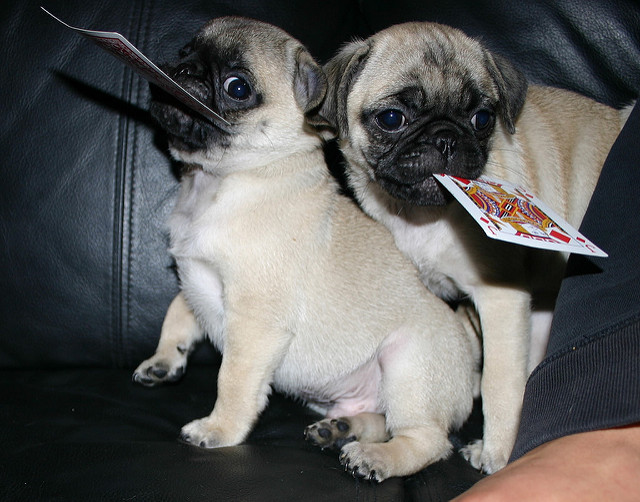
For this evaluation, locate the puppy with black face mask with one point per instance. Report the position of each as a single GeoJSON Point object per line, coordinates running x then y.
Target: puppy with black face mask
{"type": "Point", "coordinates": [297, 288]}
{"type": "Point", "coordinates": [421, 98]}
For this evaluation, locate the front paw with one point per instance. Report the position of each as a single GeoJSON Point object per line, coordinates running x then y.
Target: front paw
{"type": "Point", "coordinates": [205, 433]}
{"type": "Point", "coordinates": [484, 458]}
{"type": "Point", "coordinates": [159, 369]}
{"type": "Point", "coordinates": [330, 433]}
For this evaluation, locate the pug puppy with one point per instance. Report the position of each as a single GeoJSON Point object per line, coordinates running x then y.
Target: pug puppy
{"type": "Point", "coordinates": [421, 98]}
{"type": "Point", "coordinates": [299, 290]}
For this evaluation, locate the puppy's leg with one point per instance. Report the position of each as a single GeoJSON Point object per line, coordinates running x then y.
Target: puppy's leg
{"type": "Point", "coordinates": [180, 331]}
{"type": "Point", "coordinates": [426, 389]}
{"type": "Point", "coordinates": [504, 314]}
{"type": "Point", "coordinates": [253, 349]}
{"type": "Point", "coordinates": [468, 317]}
{"type": "Point", "coordinates": [540, 328]}
{"type": "Point", "coordinates": [334, 433]}
{"type": "Point", "coordinates": [409, 450]}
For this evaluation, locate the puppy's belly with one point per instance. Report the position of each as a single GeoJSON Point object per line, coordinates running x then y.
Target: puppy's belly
{"type": "Point", "coordinates": [347, 396]}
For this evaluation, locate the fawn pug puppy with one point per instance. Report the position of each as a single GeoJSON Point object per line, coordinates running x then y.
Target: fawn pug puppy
{"type": "Point", "coordinates": [297, 288]}
{"type": "Point", "coordinates": [421, 98]}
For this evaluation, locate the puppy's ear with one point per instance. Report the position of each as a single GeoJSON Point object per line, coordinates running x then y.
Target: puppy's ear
{"type": "Point", "coordinates": [342, 71]}
{"type": "Point", "coordinates": [512, 88]}
{"type": "Point", "coordinates": [309, 82]}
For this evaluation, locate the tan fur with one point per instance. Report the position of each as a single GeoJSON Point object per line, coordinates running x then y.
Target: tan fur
{"type": "Point", "coordinates": [560, 143]}
{"type": "Point", "coordinates": [301, 291]}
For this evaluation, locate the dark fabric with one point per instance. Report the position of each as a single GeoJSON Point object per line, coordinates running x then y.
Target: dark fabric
{"type": "Point", "coordinates": [602, 293]}
{"type": "Point", "coordinates": [590, 378]}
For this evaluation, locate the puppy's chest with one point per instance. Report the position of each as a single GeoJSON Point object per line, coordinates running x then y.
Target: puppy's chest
{"type": "Point", "coordinates": [193, 235]}
{"type": "Point", "coordinates": [204, 223]}
{"type": "Point", "coordinates": [435, 246]}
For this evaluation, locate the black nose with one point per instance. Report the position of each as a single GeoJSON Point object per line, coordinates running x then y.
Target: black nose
{"type": "Point", "coordinates": [446, 143]}
{"type": "Point", "coordinates": [189, 69]}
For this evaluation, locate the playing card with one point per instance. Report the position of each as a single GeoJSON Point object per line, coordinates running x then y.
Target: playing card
{"type": "Point", "coordinates": [125, 51]}
{"type": "Point", "coordinates": [511, 213]}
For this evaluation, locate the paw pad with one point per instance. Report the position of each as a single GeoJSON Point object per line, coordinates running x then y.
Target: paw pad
{"type": "Point", "coordinates": [330, 433]}
{"type": "Point", "coordinates": [152, 373]}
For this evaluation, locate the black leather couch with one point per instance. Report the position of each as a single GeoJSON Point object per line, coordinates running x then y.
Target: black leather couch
{"type": "Point", "coordinates": [85, 188]}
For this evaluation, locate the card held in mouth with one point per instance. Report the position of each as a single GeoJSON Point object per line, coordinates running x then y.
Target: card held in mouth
{"type": "Point", "coordinates": [125, 51]}
{"type": "Point", "coordinates": [511, 213]}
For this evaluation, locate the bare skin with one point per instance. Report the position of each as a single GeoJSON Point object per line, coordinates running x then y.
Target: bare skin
{"type": "Point", "coordinates": [591, 466]}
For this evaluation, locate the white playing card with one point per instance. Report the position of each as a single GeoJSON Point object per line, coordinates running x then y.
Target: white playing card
{"type": "Point", "coordinates": [120, 47]}
{"type": "Point", "coordinates": [513, 214]}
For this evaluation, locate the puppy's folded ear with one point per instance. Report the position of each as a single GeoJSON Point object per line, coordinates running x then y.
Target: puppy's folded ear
{"type": "Point", "coordinates": [309, 82]}
{"type": "Point", "coordinates": [310, 88]}
{"type": "Point", "coordinates": [512, 88]}
{"type": "Point", "coordinates": [342, 71]}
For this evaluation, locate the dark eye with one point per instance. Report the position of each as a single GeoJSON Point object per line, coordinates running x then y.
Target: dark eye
{"type": "Point", "coordinates": [237, 88]}
{"type": "Point", "coordinates": [481, 120]}
{"type": "Point", "coordinates": [391, 120]}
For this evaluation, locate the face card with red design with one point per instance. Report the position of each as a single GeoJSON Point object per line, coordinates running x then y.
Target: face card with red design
{"type": "Point", "coordinates": [511, 213]}
{"type": "Point", "coordinates": [121, 48]}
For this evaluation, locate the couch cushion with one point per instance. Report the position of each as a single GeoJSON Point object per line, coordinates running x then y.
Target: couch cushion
{"type": "Point", "coordinates": [93, 435]}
